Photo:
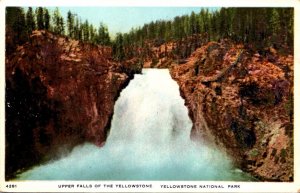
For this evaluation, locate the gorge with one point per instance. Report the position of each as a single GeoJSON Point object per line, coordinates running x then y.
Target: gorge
{"type": "Point", "coordinates": [172, 100]}
{"type": "Point", "coordinates": [149, 139]}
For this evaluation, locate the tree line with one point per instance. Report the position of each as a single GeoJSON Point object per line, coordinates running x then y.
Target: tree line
{"type": "Point", "coordinates": [22, 22]}
{"type": "Point", "coordinates": [255, 27]}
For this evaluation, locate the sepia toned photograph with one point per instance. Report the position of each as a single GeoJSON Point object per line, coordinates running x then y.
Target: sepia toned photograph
{"type": "Point", "coordinates": [149, 94]}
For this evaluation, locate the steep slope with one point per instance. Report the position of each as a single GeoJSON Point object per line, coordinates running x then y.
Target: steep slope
{"type": "Point", "coordinates": [59, 92]}
{"type": "Point", "coordinates": [244, 101]}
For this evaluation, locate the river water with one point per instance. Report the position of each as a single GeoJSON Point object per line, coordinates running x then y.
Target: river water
{"type": "Point", "coordinates": [149, 140]}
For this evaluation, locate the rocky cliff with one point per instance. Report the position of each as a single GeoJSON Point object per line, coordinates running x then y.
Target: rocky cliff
{"type": "Point", "coordinates": [243, 100]}
{"type": "Point", "coordinates": [59, 93]}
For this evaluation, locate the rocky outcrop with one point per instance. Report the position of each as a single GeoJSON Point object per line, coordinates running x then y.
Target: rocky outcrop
{"type": "Point", "coordinates": [161, 54]}
{"type": "Point", "coordinates": [243, 101]}
{"type": "Point", "coordinates": [59, 93]}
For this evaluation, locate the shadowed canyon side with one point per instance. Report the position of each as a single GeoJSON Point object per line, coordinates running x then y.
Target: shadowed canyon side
{"type": "Point", "coordinates": [59, 93]}
{"type": "Point", "coordinates": [246, 100]}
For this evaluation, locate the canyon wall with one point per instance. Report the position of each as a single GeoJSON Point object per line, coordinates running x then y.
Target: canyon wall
{"type": "Point", "coordinates": [242, 100]}
{"type": "Point", "coordinates": [238, 97]}
{"type": "Point", "coordinates": [59, 93]}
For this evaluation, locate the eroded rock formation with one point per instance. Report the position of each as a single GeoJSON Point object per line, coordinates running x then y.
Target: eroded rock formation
{"type": "Point", "coordinates": [244, 100]}
{"type": "Point", "coordinates": [59, 93]}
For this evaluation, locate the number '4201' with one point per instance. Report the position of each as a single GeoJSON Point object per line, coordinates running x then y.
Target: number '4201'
{"type": "Point", "coordinates": [11, 185]}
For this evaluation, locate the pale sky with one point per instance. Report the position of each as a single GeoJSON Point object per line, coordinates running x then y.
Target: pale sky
{"type": "Point", "coordinates": [122, 19]}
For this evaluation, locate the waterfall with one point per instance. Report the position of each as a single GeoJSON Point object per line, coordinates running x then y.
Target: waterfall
{"type": "Point", "coordinates": [149, 139]}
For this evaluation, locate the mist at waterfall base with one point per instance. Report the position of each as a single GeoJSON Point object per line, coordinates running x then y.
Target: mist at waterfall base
{"type": "Point", "coordinates": [149, 140]}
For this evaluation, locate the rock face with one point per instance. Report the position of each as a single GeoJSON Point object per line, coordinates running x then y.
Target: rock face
{"type": "Point", "coordinates": [244, 101]}
{"type": "Point", "coordinates": [59, 93]}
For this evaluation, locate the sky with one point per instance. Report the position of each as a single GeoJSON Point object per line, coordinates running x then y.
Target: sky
{"type": "Point", "coordinates": [122, 19]}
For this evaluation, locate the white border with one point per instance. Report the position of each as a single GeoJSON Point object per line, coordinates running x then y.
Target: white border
{"type": "Point", "coordinates": [153, 3]}
{"type": "Point", "coordinates": [52, 186]}
{"type": "Point", "coordinates": [2, 94]}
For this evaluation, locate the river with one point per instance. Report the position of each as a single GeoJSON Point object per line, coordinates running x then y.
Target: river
{"type": "Point", "coordinates": [149, 139]}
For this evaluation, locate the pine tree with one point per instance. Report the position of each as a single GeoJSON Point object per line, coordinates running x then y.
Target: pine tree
{"type": "Point", "coordinates": [290, 26]}
{"type": "Point", "coordinates": [30, 22]}
{"type": "Point", "coordinates": [15, 24]}
{"type": "Point", "coordinates": [204, 22]}
{"type": "Point", "coordinates": [77, 31]}
{"type": "Point", "coordinates": [55, 20]}
{"type": "Point", "coordinates": [46, 19]}
{"type": "Point", "coordinates": [274, 21]}
{"type": "Point", "coordinates": [213, 27]}
{"type": "Point", "coordinates": [118, 48]}
{"type": "Point", "coordinates": [92, 33]}
{"type": "Point", "coordinates": [102, 37]}
{"type": "Point", "coordinates": [168, 35]}
{"type": "Point", "coordinates": [86, 31]}
{"type": "Point", "coordinates": [193, 26]}
{"type": "Point", "coordinates": [61, 26]}
{"type": "Point", "coordinates": [81, 30]}
{"type": "Point", "coordinates": [58, 22]}
{"type": "Point", "coordinates": [40, 18]}
{"type": "Point", "coordinates": [177, 28]}
{"type": "Point", "coordinates": [222, 23]}
{"type": "Point", "coordinates": [70, 24]}
{"type": "Point", "coordinates": [187, 26]}
{"type": "Point", "coordinates": [285, 23]}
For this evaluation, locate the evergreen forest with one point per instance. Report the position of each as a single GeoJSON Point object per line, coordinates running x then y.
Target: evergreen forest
{"type": "Point", "coordinates": [257, 28]}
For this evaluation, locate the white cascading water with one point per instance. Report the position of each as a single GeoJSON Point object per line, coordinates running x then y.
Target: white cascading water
{"type": "Point", "coordinates": [149, 140]}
